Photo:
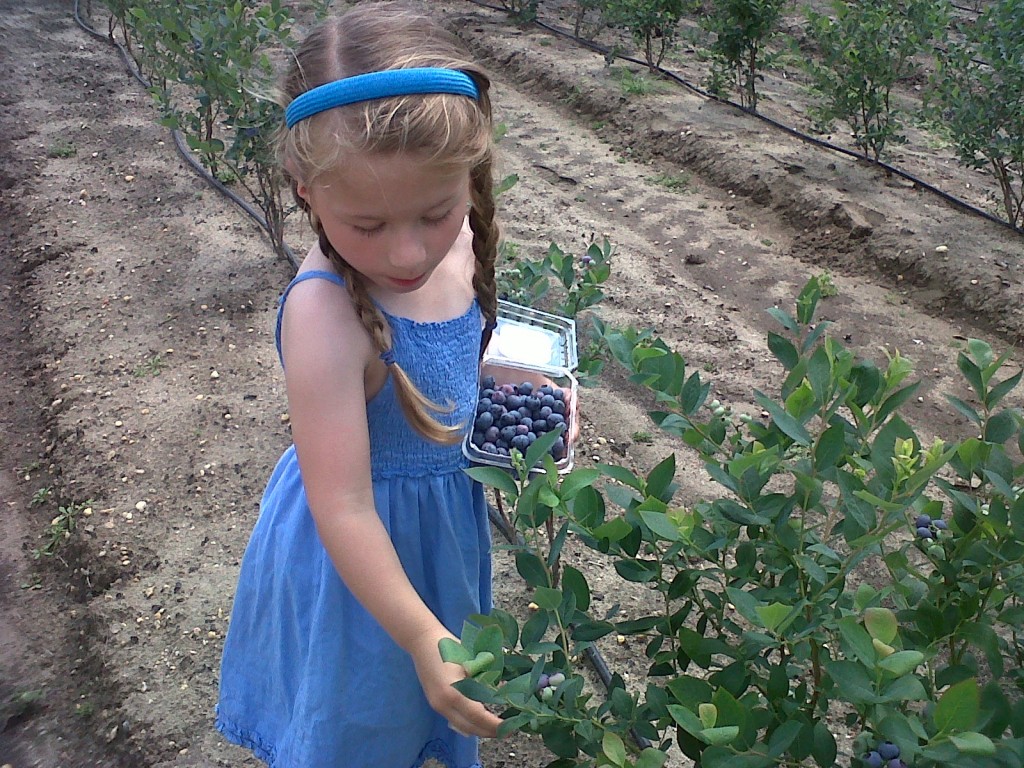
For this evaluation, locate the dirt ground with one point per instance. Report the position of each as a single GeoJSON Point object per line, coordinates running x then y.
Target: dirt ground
{"type": "Point", "coordinates": [141, 392]}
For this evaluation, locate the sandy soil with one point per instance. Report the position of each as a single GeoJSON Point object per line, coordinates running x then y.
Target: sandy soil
{"type": "Point", "coordinates": [140, 381]}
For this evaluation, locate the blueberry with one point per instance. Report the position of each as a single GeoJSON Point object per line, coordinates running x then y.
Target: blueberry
{"type": "Point", "coordinates": [489, 448]}
{"type": "Point", "coordinates": [925, 533]}
{"type": "Point", "coordinates": [521, 442]}
{"type": "Point", "coordinates": [488, 382]}
{"type": "Point", "coordinates": [482, 405]}
{"type": "Point", "coordinates": [508, 389]}
{"type": "Point", "coordinates": [503, 451]}
{"type": "Point", "coordinates": [558, 449]}
{"type": "Point", "coordinates": [532, 402]}
{"type": "Point", "coordinates": [486, 393]}
{"type": "Point", "coordinates": [540, 426]}
{"type": "Point", "coordinates": [509, 419]}
{"type": "Point", "coordinates": [496, 410]}
{"type": "Point", "coordinates": [524, 413]}
{"type": "Point", "coordinates": [491, 435]}
{"type": "Point", "coordinates": [477, 439]}
{"type": "Point", "coordinates": [939, 525]}
{"type": "Point", "coordinates": [922, 521]}
{"type": "Point", "coordinates": [555, 419]}
{"type": "Point", "coordinates": [527, 422]}
{"type": "Point", "coordinates": [532, 436]}
{"type": "Point", "coordinates": [507, 433]}
{"type": "Point", "coordinates": [545, 411]}
{"type": "Point", "coordinates": [498, 397]}
{"type": "Point", "coordinates": [542, 682]}
{"type": "Point", "coordinates": [873, 760]}
{"type": "Point", "coordinates": [484, 420]}
{"type": "Point", "coordinates": [547, 400]}
{"type": "Point", "coordinates": [888, 750]}
{"type": "Point", "coordinates": [558, 407]}
{"type": "Point", "coordinates": [896, 763]}
{"type": "Point", "coordinates": [514, 402]}
{"type": "Point", "coordinates": [522, 429]}
{"type": "Point", "coordinates": [558, 394]}
{"type": "Point", "coordinates": [526, 388]}
{"type": "Point", "coordinates": [547, 389]}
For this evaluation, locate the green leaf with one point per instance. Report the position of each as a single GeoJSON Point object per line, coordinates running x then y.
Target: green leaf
{"type": "Point", "coordinates": [575, 582]}
{"type": "Point", "coordinates": [784, 319]}
{"type": "Point", "coordinates": [613, 748]}
{"type": "Point", "coordinates": [719, 737]}
{"type": "Point", "coordinates": [958, 708]}
{"type": "Point", "coordinates": [880, 623]}
{"type": "Point", "coordinates": [783, 350]}
{"type": "Point", "coordinates": [965, 409]}
{"type": "Point", "coordinates": [853, 682]}
{"type": "Point", "coordinates": [453, 651]}
{"type": "Point", "coordinates": [576, 480]}
{"type": "Point", "coordinates": [651, 758]}
{"type": "Point", "coordinates": [830, 447]}
{"type": "Point", "coordinates": [495, 478]}
{"type": "Point", "coordinates": [789, 426]}
{"type": "Point", "coordinates": [541, 446]}
{"type": "Point", "coordinates": [621, 474]}
{"type": "Point", "coordinates": [902, 662]}
{"type": "Point", "coordinates": [825, 748]}
{"type": "Point", "coordinates": [772, 616]}
{"type": "Point", "coordinates": [547, 598]}
{"type": "Point", "coordinates": [659, 524]}
{"type": "Point", "coordinates": [531, 568]}
{"type": "Point", "coordinates": [513, 724]}
{"type": "Point", "coordinates": [973, 743]}
{"type": "Point", "coordinates": [1001, 427]}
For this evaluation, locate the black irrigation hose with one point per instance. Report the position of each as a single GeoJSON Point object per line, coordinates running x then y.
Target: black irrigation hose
{"type": "Point", "coordinates": [179, 139]}
{"type": "Point", "coordinates": [591, 653]}
{"type": "Point", "coordinates": [952, 199]}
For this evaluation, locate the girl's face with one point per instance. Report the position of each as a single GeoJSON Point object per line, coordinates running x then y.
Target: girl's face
{"type": "Point", "coordinates": [393, 218]}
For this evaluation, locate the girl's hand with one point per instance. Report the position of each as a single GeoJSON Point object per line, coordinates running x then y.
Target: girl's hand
{"type": "Point", "coordinates": [465, 716]}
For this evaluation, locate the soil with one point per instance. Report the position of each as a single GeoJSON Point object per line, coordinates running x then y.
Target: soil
{"type": "Point", "coordinates": [142, 396]}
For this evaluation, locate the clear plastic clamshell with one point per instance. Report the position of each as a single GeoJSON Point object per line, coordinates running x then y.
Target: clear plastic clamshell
{"type": "Point", "coordinates": [535, 346]}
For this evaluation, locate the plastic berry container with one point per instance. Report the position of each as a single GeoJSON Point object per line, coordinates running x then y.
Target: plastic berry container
{"type": "Point", "coordinates": [536, 347]}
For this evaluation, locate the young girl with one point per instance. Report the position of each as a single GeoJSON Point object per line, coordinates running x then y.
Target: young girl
{"type": "Point", "coordinates": [372, 544]}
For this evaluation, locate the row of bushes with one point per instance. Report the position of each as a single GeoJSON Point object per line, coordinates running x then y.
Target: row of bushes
{"type": "Point", "coordinates": [854, 57]}
{"type": "Point", "coordinates": [847, 573]}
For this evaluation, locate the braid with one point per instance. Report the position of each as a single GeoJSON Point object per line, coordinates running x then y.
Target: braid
{"type": "Point", "coordinates": [415, 406]}
{"type": "Point", "coordinates": [485, 245]}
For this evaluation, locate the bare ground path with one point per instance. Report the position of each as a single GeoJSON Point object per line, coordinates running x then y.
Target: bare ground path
{"type": "Point", "coordinates": [139, 380]}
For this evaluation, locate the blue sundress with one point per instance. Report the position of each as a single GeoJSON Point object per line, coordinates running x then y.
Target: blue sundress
{"type": "Point", "coordinates": [308, 678]}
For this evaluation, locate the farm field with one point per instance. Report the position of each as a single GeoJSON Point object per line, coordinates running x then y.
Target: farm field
{"type": "Point", "coordinates": [142, 394]}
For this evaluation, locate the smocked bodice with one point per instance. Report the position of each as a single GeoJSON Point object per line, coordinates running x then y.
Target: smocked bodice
{"type": "Point", "coordinates": [442, 359]}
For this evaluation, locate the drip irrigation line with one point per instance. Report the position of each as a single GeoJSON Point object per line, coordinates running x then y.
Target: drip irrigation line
{"type": "Point", "coordinates": [591, 653]}
{"type": "Point", "coordinates": [669, 75]}
{"type": "Point", "coordinates": [179, 139]}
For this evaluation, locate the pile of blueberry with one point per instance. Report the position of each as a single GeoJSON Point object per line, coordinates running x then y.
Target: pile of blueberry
{"type": "Point", "coordinates": [884, 755]}
{"type": "Point", "coordinates": [514, 415]}
{"type": "Point", "coordinates": [927, 528]}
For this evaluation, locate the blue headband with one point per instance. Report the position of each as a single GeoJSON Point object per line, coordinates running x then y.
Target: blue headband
{"type": "Point", "coordinates": [379, 85]}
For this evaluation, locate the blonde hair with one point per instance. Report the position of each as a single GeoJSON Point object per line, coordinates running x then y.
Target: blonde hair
{"type": "Point", "coordinates": [452, 131]}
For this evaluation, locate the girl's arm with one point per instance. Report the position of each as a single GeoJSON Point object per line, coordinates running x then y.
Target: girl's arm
{"type": "Point", "coordinates": [326, 353]}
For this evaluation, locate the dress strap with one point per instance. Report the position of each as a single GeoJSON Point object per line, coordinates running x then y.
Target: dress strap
{"type": "Point", "coordinates": [318, 274]}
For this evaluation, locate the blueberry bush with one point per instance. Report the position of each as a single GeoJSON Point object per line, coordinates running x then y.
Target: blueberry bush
{"type": "Point", "coordinates": [212, 78]}
{"type": "Point", "coordinates": [976, 94]}
{"type": "Point", "coordinates": [741, 31]}
{"type": "Point", "coordinates": [850, 571]}
{"type": "Point", "coordinates": [564, 284]}
{"type": "Point", "coordinates": [866, 49]}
